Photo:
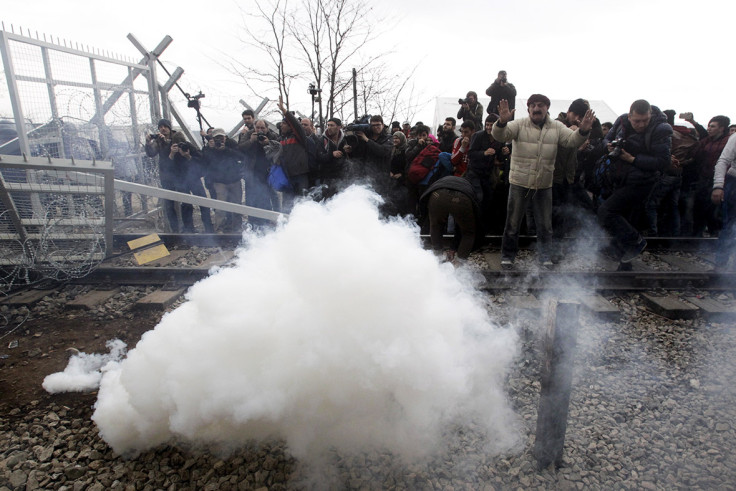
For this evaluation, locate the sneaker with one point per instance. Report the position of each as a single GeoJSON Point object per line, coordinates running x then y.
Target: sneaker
{"type": "Point", "coordinates": [633, 252]}
{"type": "Point", "coordinates": [507, 263]}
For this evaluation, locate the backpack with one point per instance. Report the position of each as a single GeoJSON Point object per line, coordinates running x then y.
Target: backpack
{"type": "Point", "coordinates": [442, 168]}
{"type": "Point", "coordinates": [423, 164]}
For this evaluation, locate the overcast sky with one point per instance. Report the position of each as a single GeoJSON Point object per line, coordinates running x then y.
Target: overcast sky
{"type": "Point", "coordinates": [676, 54]}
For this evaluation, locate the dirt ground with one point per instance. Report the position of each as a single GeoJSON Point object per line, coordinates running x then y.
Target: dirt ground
{"type": "Point", "coordinates": [43, 348]}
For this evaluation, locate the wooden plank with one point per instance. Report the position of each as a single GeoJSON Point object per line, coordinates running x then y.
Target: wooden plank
{"type": "Point", "coordinates": [713, 309]}
{"type": "Point", "coordinates": [670, 306]}
{"type": "Point", "coordinates": [556, 383]}
{"type": "Point", "coordinates": [159, 300]}
{"type": "Point", "coordinates": [91, 299]}
{"type": "Point", "coordinates": [27, 298]}
{"type": "Point", "coordinates": [600, 307]}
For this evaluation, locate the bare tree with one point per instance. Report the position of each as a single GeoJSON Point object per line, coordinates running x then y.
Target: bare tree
{"type": "Point", "coordinates": [274, 43]}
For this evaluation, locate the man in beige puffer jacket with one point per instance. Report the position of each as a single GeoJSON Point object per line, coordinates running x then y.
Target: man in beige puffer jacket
{"type": "Point", "coordinates": [535, 141]}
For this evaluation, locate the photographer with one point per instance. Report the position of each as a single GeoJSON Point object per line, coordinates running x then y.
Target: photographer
{"type": "Point", "coordinates": [190, 167]}
{"type": "Point", "coordinates": [641, 140]}
{"type": "Point", "coordinates": [370, 155]}
{"type": "Point", "coordinates": [225, 170]}
{"type": "Point", "coordinates": [331, 159]}
{"type": "Point", "coordinates": [471, 109]}
{"type": "Point", "coordinates": [159, 144]}
{"type": "Point", "coordinates": [501, 89]}
{"type": "Point", "coordinates": [257, 191]}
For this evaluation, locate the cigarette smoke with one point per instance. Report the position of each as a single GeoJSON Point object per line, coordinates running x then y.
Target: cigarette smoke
{"type": "Point", "coordinates": [336, 331]}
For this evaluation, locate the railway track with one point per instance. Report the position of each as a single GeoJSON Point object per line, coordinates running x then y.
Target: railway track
{"type": "Point", "coordinates": [676, 277]}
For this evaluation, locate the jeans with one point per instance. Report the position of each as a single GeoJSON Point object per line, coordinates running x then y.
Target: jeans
{"type": "Point", "coordinates": [231, 192]}
{"type": "Point", "coordinates": [665, 191]}
{"type": "Point", "coordinates": [519, 198]}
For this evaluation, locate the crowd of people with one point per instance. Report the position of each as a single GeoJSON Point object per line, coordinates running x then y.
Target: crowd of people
{"type": "Point", "coordinates": [498, 172]}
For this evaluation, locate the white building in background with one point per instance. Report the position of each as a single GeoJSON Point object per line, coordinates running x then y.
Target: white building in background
{"type": "Point", "coordinates": [448, 107]}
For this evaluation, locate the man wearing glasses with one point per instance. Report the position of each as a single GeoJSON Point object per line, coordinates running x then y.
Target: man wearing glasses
{"type": "Point", "coordinates": [370, 158]}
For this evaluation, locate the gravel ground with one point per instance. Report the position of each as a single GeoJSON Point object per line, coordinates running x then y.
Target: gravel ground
{"type": "Point", "coordinates": [652, 408]}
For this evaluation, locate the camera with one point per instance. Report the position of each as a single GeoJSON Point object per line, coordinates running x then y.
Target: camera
{"type": "Point", "coordinates": [313, 90]}
{"type": "Point", "coordinates": [363, 125]}
{"type": "Point", "coordinates": [185, 147]}
{"type": "Point", "coordinates": [193, 100]}
{"type": "Point", "coordinates": [262, 137]}
{"type": "Point", "coordinates": [617, 145]}
{"type": "Point", "coordinates": [154, 136]}
{"type": "Point", "coordinates": [463, 101]}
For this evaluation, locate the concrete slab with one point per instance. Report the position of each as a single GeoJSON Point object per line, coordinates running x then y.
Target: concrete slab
{"type": "Point", "coordinates": [26, 298]}
{"type": "Point", "coordinates": [713, 309]}
{"type": "Point", "coordinates": [600, 307]}
{"type": "Point", "coordinates": [159, 300]}
{"type": "Point", "coordinates": [91, 299]}
{"type": "Point", "coordinates": [670, 306]}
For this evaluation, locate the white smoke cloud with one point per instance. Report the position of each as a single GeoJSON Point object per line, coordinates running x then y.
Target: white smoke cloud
{"type": "Point", "coordinates": [336, 331]}
{"type": "Point", "coordinates": [83, 372]}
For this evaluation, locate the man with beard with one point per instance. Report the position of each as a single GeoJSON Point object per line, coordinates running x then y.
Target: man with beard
{"type": "Point", "coordinates": [447, 135]}
{"type": "Point", "coordinates": [535, 140]}
{"type": "Point", "coordinates": [644, 140]}
{"type": "Point", "coordinates": [331, 158]}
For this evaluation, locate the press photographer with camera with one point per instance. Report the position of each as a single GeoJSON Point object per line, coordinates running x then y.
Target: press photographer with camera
{"type": "Point", "coordinates": [640, 141]}
{"type": "Point", "coordinates": [225, 170]}
{"type": "Point", "coordinates": [257, 191]}
{"type": "Point", "coordinates": [369, 147]}
{"type": "Point", "coordinates": [191, 169]}
{"type": "Point", "coordinates": [471, 109]}
{"type": "Point", "coordinates": [501, 89]}
{"type": "Point", "coordinates": [159, 144]}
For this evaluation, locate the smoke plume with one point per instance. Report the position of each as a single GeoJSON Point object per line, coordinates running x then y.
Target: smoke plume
{"type": "Point", "coordinates": [336, 331]}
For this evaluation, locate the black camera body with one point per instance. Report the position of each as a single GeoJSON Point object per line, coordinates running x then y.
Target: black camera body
{"type": "Point", "coordinates": [463, 101]}
{"type": "Point", "coordinates": [185, 147]}
{"type": "Point", "coordinates": [262, 137]}
{"type": "Point", "coordinates": [618, 145]}
{"type": "Point", "coordinates": [363, 124]}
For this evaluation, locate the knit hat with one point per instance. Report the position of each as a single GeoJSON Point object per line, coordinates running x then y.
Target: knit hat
{"type": "Point", "coordinates": [579, 107]}
{"type": "Point", "coordinates": [534, 98]}
{"type": "Point", "coordinates": [164, 122]}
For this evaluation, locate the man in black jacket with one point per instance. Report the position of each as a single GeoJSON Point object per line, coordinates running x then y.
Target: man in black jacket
{"type": "Point", "coordinates": [501, 89]}
{"type": "Point", "coordinates": [643, 139]}
{"type": "Point", "coordinates": [225, 171]}
{"type": "Point", "coordinates": [371, 156]}
{"type": "Point", "coordinates": [169, 174]}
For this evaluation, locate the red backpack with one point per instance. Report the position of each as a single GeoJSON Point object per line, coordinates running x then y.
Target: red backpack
{"type": "Point", "coordinates": [423, 163]}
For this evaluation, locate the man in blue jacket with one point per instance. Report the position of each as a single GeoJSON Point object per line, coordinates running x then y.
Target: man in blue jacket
{"type": "Point", "coordinates": [642, 142]}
